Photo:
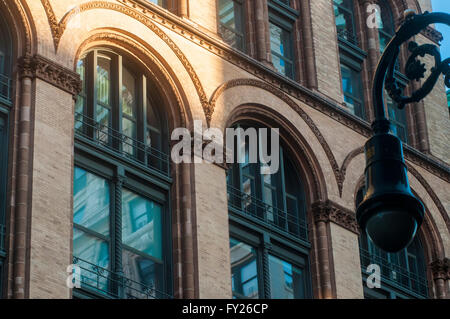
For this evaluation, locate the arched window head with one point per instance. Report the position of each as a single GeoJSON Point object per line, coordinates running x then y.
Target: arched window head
{"type": "Point", "coordinates": [386, 25]}
{"type": "Point", "coordinates": [276, 199]}
{"type": "Point", "coordinates": [403, 274]}
{"type": "Point", "coordinates": [5, 60]}
{"type": "Point", "coordinates": [120, 108]}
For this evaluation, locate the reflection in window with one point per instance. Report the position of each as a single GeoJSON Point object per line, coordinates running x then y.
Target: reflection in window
{"type": "Point", "coordinates": [397, 118]}
{"type": "Point", "coordinates": [352, 87]}
{"type": "Point", "coordinates": [405, 269]}
{"type": "Point", "coordinates": [286, 280]}
{"type": "Point", "coordinates": [91, 233]}
{"type": "Point", "coordinates": [281, 48]}
{"type": "Point", "coordinates": [244, 271]}
{"type": "Point", "coordinates": [232, 28]}
{"type": "Point", "coordinates": [386, 26]}
{"type": "Point", "coordinates": [141, 224]}
{"type": "Point", "coordinates": [161, 3]}
{"type": "Point", "coordinates": [343, 12]}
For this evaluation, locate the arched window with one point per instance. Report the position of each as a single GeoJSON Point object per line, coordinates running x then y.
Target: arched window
{"type": "Point", "coordinates": [121, 237]}
{"type": "Point", "coordinates": [403, 274]}
{"type": "Point", "coordinates": [118, 109]}
{"type": "Point", "coordinates": [268, 235]}
{"type": "Point", "coordinates": [5, 104]}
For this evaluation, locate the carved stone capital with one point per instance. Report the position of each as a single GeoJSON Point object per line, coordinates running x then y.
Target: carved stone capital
{"type": "Point", "coordinates": [441, 268]}
{"type": "Point", "coordinates": [39, 67]}
{"type": "Point", "coordinates": [326, 211]}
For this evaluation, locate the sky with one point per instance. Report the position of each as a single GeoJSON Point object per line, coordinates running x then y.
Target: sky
{"type": "Point", "coordinates": [443, 6]}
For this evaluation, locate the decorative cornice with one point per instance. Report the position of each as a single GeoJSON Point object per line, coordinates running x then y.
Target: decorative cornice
{"type": "Point", "coordinates": [432, 34]}
{"type": "Point", "coordinates": [441, 268]}
{"type": "Point", "coordinates": [328, 211]}
{"type": "Point", "coordinates": [39, 67]}
{"type": "Point", "coordinates": [142, 16]}
{"type": "Point", "coordinates": [144, 12]}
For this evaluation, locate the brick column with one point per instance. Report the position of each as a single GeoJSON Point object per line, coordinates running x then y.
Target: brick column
{"type": "Point", "coordinates": [440, 269]}
{"type": "Point", "coordinates": [23, 186]}
{"type": "Point", "coordinates": [262, 31]}
{"type": "Point", "coordinates": [308, 45]}
{"type": "Point", "coordinates": [373, 53]}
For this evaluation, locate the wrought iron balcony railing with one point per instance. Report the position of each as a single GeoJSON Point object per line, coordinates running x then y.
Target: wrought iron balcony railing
{"type": "Point", "coordinates": [103, 283]}
{"type": "Point", "coordinates": [394, 273]}
{"type": "Point", "coordinates": [5, 88]}
{"type": "Point", "coordinates": [348, 36]}
{"type": "Point", "coordinates": [284, 221]}
{"type": "Point", "coordinates": [121, 144]}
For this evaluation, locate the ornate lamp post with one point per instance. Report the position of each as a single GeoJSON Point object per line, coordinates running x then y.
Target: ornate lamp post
{"type": "Point", "coordinates": [389, 212]}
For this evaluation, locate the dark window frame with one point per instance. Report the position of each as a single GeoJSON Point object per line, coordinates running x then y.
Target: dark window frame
{"type": "Point", "coordinates": [243, 33]}
{"type": "Point", "coordinates": [284, 17]}
{"type": "Point", "coordinates": [141, 185]}
{"type": "Point", "coordinates": [153, 158]}
{"type": "Point", "coordinates": [258, 234]}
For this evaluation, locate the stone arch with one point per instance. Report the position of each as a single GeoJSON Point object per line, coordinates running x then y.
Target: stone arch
{"type": "Point", "coordinates": [269, 89]}
{"type": "Point", "coordinates": [137, 13]}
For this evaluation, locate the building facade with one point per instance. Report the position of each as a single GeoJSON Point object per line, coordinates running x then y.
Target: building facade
{"type": "Point", "coordinates": [90, 93]}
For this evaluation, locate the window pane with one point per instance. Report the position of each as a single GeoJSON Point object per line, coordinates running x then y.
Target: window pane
{"type": "Point", "coordinates": [161, 3]}
{"type": "Point", "coordinates": [343, 12]}
{"type": "Point", "coordinates": [141, 224]}
{"type": "Point", "coordinates": [103, 80]}
{"type": "Point", "coordinates": [280, 44]}
{"type": "Point", "coordinates": [93, 253]}
{"type": "Point", "coordinates": [128, 93]}
{"type": "Point", "coordinates": [91, 201]}
{"type": "Point", "coordinates": [129, 129]}
{"type": "Point", "coordinates": [102, 117]}
{"type": "Point", "coordinates": [398, 120]}
{"type": "Point", "coordinates": [244, 273]}
{"type": "Point", "coordinates": [141, 271]}
{"type": "Point", "coordinates": [231, 23]}
{"type": "Point", "coordinates": [352, 87]}
{"type": "Point", "coordinates": [286, 280]}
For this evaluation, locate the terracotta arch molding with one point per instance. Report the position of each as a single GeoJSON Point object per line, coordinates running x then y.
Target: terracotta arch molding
{"type": "Point", "coordinates": [58, 27]}
{"type": "Point", "coordinates": [413, 172]}
{"type": "Point", "coordinates": [278, 93]}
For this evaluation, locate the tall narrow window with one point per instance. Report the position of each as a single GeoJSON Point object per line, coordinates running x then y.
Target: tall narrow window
{"type": "Point", "coordinates": [345, 24]}
{"type": "Point", "coordinates": [386, 27]}
{"type": "Point", "coordinates": [398, 120]}
{"type": "Point", "coordinates": [275, 205]}
{"type": "Point", "coordinates": [116, 109]}
{"type": "Point", "coordinates": [232, 23]}
{"type": "Point", "coordinates": [351, 57]}
{"type": "Point", "coordinates": [5, 62]}
{"type": "Point", "coordinates": [352, 86]}
{"type": "Point", "coordinates": [281, 48]}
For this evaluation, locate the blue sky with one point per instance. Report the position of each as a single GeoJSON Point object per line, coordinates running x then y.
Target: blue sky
{"type": "Point", "coordinates": [443, 6]}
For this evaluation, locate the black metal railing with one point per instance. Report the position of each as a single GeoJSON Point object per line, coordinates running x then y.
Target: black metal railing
{"type": "Point", "coordinates": [5, 87]}
{"type": "Point", "coordinates": [394, 273]}
{"type": "Point", "coordinates": [348, 36]}
{"type": "Point", "coordinates": [272, 216]}
{"type": "Point", "coordinates": [103, 283]}
{"type": "Point", "coordinates": [128, 147]}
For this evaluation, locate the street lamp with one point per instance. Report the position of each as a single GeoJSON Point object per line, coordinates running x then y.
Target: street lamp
{"type": "Point", "coordinates": [389, 213]}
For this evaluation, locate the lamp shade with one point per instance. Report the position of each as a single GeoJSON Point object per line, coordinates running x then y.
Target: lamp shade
{"type": "Point", "coordinates": [389, 213]}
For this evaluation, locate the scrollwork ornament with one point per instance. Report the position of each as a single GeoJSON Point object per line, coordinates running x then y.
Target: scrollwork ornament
{"type": "Point", "coordinates": [415, 69]}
